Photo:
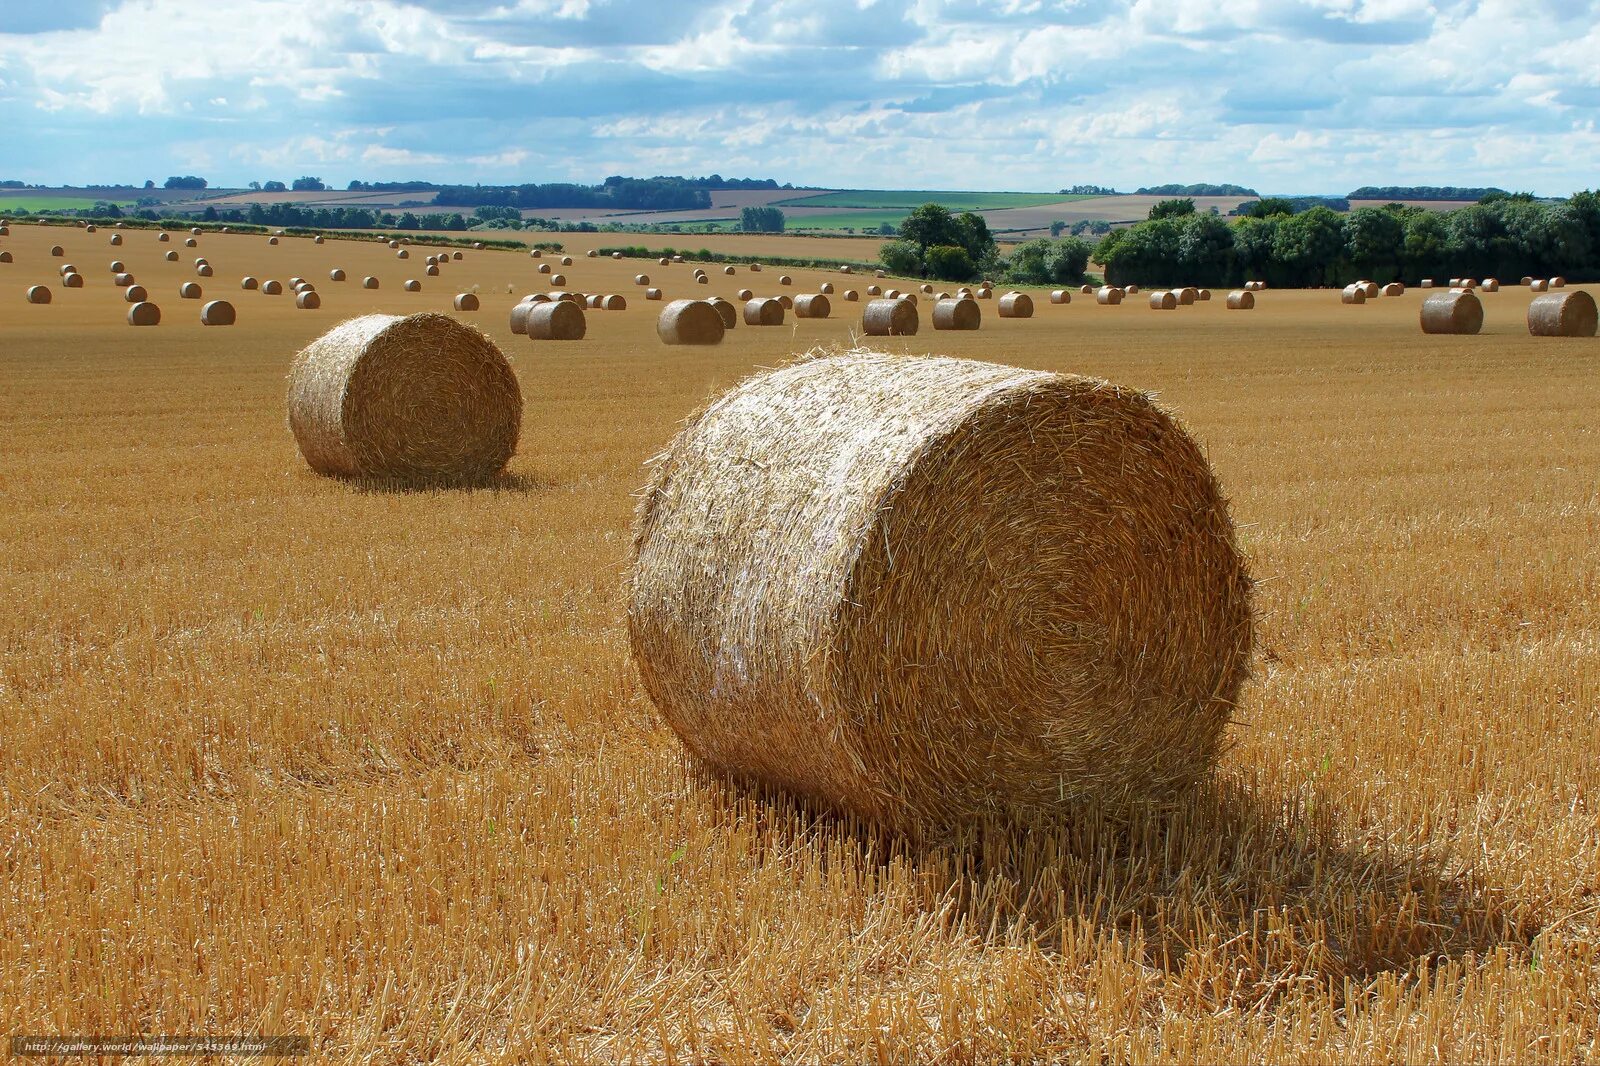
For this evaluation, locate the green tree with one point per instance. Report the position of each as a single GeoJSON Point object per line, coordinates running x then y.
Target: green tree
{"type": "Point", "coordinates": [975, 237]}
{"type": "Point", "coordinates": [949, 262]}
{"type": "Point", "coordinates": [308, 184]}
{"type": "Point", "coordinates": [901, 257]}
{"type": "Point", "coordinates": [929, 225]}
{"type": "Point", "coordinates": [1253, 241]}
{"type": "Point", "coordinates": [1374, 242]}
{"type": "Point", "coordinates": [1427, 243]}
{"type": "Point", "coordinates": [1266, 207]}
{"type": "Point", "coordinates": [1205, 249]}
{"type": "Point", "coordinates": [1172, 208]}
{"type": "Point", "coordinates": [1308, 247]}
{"type": "Point", "coordinates": [761, 220]}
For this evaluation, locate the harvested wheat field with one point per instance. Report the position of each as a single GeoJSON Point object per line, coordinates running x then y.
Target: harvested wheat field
{"type": "Point", "coordinates": [373, 765]}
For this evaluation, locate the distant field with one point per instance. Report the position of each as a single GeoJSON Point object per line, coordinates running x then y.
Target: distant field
{"type": "Point", "coordinates": [840, 220]}
{"type": "Point", "coordinates": [53, 203]}
{"type": "Point", "coordinates": [908, 199]}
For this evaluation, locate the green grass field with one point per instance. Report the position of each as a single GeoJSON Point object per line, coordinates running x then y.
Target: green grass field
{"type": "Point", "coordinates": [53, 203]}
{"type": "Point", "coordinates": [860, 221]}
{"type": "Point", "coordinates": [908, 199]}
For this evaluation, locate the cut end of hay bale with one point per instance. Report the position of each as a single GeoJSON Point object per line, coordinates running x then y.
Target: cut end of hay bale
{"type": "Point", "coordinates": [1452, 312]}
{"type": "Point", "coordinates": [417, 399]}
{"type": "Point", "coordinates": [38, 294]}
{"type": "Point", "coordinates": [690, 322]}
{"type": "Point", "coordinates": [1563, 314]}
{"type": "Point", "coordinates": [189, 291]}
{"type": "Point", "coordinates": [889, 318]}
{"type": "Point", "coordinates": [272, 288]}
{"type": "Point", "coordinates": [822, 525]}
{"type": "Point", "coordinates": [412, 285]}
{"type": "Point", "coordinates": [613, 302]}
{"type": "Point", "coordinates": [249, 283]}
{"type": "Point", "coordinates": [217, 313]}
{"type": "Point", "coordinates": [957, 313]}
{"type": "Point", "coordinates": [135, 294]}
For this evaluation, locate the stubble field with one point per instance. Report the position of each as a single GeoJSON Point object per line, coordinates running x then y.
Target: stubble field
{"type": "Point", "coordinates": [293, 756]}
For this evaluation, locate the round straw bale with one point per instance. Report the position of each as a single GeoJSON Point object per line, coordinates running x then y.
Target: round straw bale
{"type": "Point", "coordinates": [816, 306]}
{"type": "Point", "coordinates": [558, 279]}
{"type": "Point", "coordinates": [1086, 290]}
{"type": "Point", "coordinates": [925, 287]}
{"type": "Point", "coordinates": [544, 268]}
{"type": "Point", "coordinates": [1469, 283]}
{"type": "Point", "coordinates": [744, 294]}
{"type": "Point", "coordinates": [1052, 553]}
{"type": "Point", "coordinates": [1538, 285]}
{"type": "Point", "coordinates": [272, 240]}
{"type": "Point", "coordinates": [144, 314]}
{"type": "Point", "coordinates": [879, 274]}
{"type": "Point", "coordinates": [56, 251]}
{"type": "Point", "coordinates": [787, 301]}
{"type": "Point", "coordinates": [403, 253]}
{"type": "Point", "coordinates": [369, 283]}
{"type": "Point", "coordinates": [1455, 281]}
{"type": "Point", "coordinates": [272, 288]}
{"type": "Point", "coordinates": [1425, 283]}
{"type": "Point", "coordinates": [755, 268]}
{"type": "Point", "coordinates": [984, 294]}
{"type": "Point", "coordinates": [455, 255]}
{"type": "Point", "coordinates": [1016, 305]}
{"type": "Point", "coordinates": [5, 257]}
{"type": "Point", "coordinates": [307, 300]}
{"type": "Point", "coordinates": [592, 301]}
{"type": "Point", "coordinates": [38, 294]}
{"type": "Point", "coordinates": [1394, 288]}
{"type": "Point", "coordinates": [558, 320]}
{"type": "Point", "coordinates": [1562, 314]}
{"type": "Point", "coordinates": [163, 237]}
{"type": "Point", "coordinates": [304, 286]}
{"type": "Point", "coordinates": [702, 280]}
{"type": "Point", "coordinates": [336, 274]}
{"type": "Point", "coordinates": [1133, 290]}
{"type": "Point", "coordinates": [889, 318]}
{"type": "Point", "coordinates": [189, 291]}
{"type": "Point", "coordinates": [67, 268]}
{"type": "Point", "coordinates": [420, 398]}
{"type": "Point", "coordinates": [663, 261]}
{"type": "Point", "coordinates": [874, 290]}
{"type": "Point", "coordinates": [1163, 300]}
{"type": "Point", "coordinates": [72, 281]}
{"type": "Point", "coordinates": [851, 295]}
{"type": "Point", "coordinates": [1060, 296]}
{"type": "Point", "coordinates": [1558, 282]}
{"type": "Point", "coordinates": [466, 301]}
{"type": "Point", "coordinates": [519, 317]}
{"type": "Point", "coordinates": [190, 242]}
{"type": "Point", "coordinates": [826, 288]}
{"type": "Point", "coordinates": [217, 313]}
{"type": "Point", "coordinates": [204, 270]}
{"type": "Point", "coordinates": [728, 270]}
{"type": "Point", "coordinates": [846, 268]}
{"type": "Point", "coordinates": [641, 279]}
{"type": "Point", "coordinates": [1186, 295]}
{"type": "Point", "coordinates": [892, 294]}
{"type": "Point", "coordinates": [729, 313]}
{"type": "Point", "coordinates": [763, 311]}
{"type": "Point", "coordinates": [116, 238]}
{"type": "Point", "coordinates": [117, 266]}
{"type": "Point", "coordinates": [652, 294]}
{"type": "Point", "coordinates": [566, 260]}
{"type": "Point", "coordinates": [614, 255]}
{"type": "Point", "coordinates": [533, 253]}
{"type": "Point", "coordinates": [1490, 285]}
{"type": "Point", "coordinates": [248, 282]}
{"type": "Point", "coordinates": [1204, 296]}
{"type": "Point", "coordinates": [1452, 312]}
{"type": "Point", "coordinates": [431, 272]}
{"type": "Point", "coordinates": [317, 239]}
{"type": "Point", "coordinates": [412, 285]}
{"type": "Point", "coordinates": [569, 297]}
{"type": "Point", "coordinates": [171, 257]}
{"type": "Point", "coordinates": [1526, 280]}
{"type": "Point", "coordinates": [1108, 294]}
{"type": "Point", "coordinates": [432, 260]}
{"type": "Point", "coordinates": [613, 302]}
{"type": "Point", "coordinates": [1353, 294]}
{"type": "Point", "coordinates": [135, 294]}
{"type": "Point", "coordinates": [690, 322]}
{"type": "Point", "coordinates": [960, 313]}
{"type": "Point", "coordinates": [1241, 300]}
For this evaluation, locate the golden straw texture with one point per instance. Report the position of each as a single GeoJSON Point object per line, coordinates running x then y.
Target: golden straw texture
{"type": "Point", "coordinates": [1452, 312]}
{"type": "Point", "coordinates": [1562, 314]}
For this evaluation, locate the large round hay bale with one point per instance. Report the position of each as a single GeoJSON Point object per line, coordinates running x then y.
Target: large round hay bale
{"type": "Point", "coordinates": [641, 279]}
{"type": "Point", "coordinates": [826, 288]}
{"type": "Point", "coordinates": [1163, 300]}
{"type": "Point", "coordinates": [272, 288]}
{"type": "Point", "coordinates": [403, 254]}
{"type": "Point", "coordinates": [38, 294]}
{"type": "Point", "coordinates": [135, 294]}
{"type": "Point", "coordinates": [204, 270]}
{"type": "Point", "coordinates": [317, 239]}
{"type": "Point", "coordinates": [1187, 295]}
{"type": "Point", "coordinates": [925, 287]}
{"type": "Point", "coordinates": [1369, 289]}
{"type": "Point", "coordinates": [763, 311]}
{"type": "Point", "coordinates": [846, 268]}
{"type": "Point", "coordinates": [1353, 294]}
{"type": "Point", "coordinates": [1060, 296]}
{"type": "Point", "coordinates": [1452, 312]}
{"type": "Point", "coordinates": [1241, 300]}
{"type": "Point", "coordinates": [744, 294]}
{"type": "Point", "coordinates": [558, 279]}
{"type": "Point", "coordinates": [519, 318]}
{"type": "Point", "coordinates": [690, 322]}
{"type": "Point", "coordinates": [189, 291]}
{"type": "Point", "coordinates": [1490, 285]}
{"type": "Point", "coordinates": [558, 320]}
{"type": "Point", "coordinates": [67, 268]}
{"type": "Point", "coordinates": [5, 257]}
{"type": "Point", "coordinates": [1051, 553]}
{"type": "Point", "coordinates": [1204, 296]}
{"type": "Point", "coordinates": [663, 261]}
{"type": "Point", "coordinates": [1526, 280]}
{"type": "Point", "coordinates": [728, 270]}
{"type": "Point", "coordinates": [787, 301]}
{"type": "Point", "coordinates": [1538, 285]}
{"type": "Point", "coordinates": [117, 267]}
{"type": "Point", "coordinates": [889, 318]}
{"type": "Point", "coordinates": [1455, 282]}
{"type": "Point", "coordinates": [72, 281]}
{"type": "Point", "coordinates": [1086, 290]}
{"type": "Point", "coordinates": [566, 260]}
{"type": "Point", "coordinates": [217, 313]}
{"type": "Point", "coordinates": [308, 300]}
{"type": "Point", "coordinates": [144, 314]}
{"type": "Point", "coordinates": [874, 290]}
{"type": "Point", "coordinates": [1394, 288]}
{"type": "Point", "coordinates": [544, 268]}
{"type": "Point", "coordinates": [1133, 290]}
{"type": "Point", "coordinates": [652, 294]}
{"type": "Point", "coordinates": [116, 238]}
{"type": "Point", "coordinates": [613, 302]}
{"type": "Point", "coordinates": [420, 398]}
{"type": "Point", "coordinates": [851, 296]}
{"type": "Point", "coordinates": [812, 306]}
{"type": "Point", "coordinates": [1562, 314]}
{"type": "Point", "coordinates": [456, 255]}
{"type": "Point", "coordinates": [412, 285]}
{"type": "Point", "coordinates": [170, 257]}
{"type": "Point", "coordinates": [729, 313]}
{"type": "Point", "coordinates": [592, 301]}
{"type": "Point", "coordinates": [369, 283]}
{"type": "Point", "coordinates": [1108, 295]}
{"type": "Point", "coordinates": [614, 255]}
{"type": "Point", "coordinates": [755, 268]}
{"type": "Point", "coordinates": [466, 301]}
{"type": "Point", "coordinates": [336, 274]}
{"type": "Point", "coordinates": [959, 313]}
{"type": "Point", "coordinates": [190, 242]}
{"type": "Point", "coordinates": [163, 237]}
{"type": "Point", "coordinates": [533, 253]}
{"type": "Point", "coordinates": [122, 280]}
{"type": "Point", "coordinates": [701, 279]}
{"type": "Point", "coordinates": [248, 282]}
{"type": "Point", "coordinates": [1016, 305]}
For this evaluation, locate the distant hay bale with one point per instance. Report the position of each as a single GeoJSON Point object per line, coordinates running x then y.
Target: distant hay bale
{"type": "Point", "coordinates": [1052, 553]}
{"type": "Point", "coordinates": [566, 260]}
{"type": "Point", "coordinates": [1133, 290]}
{"type": "Point", "coordinates": [558, 320]}
{"type": "Point", "coordinates": [1369, 289]}
{"type": "Point", "coordinates": [874, 290]}
{"type": "Point", "coordinates": [336, 274]}
{"type": "Point", "coordinates": [144, 314]}
{"type": "Point", "coordinates": [308, 300]}
{"type": "Point", "coordinates": [272, 288]}
{"type": "Point", "coordinates": [72, 281]}
{"type": "Point", "coordinates": [1469, 283]}
{"type": "Point", "coordinates": [729, 313]}
{"type": "Point", "coordinates": [1452, 312]}
{"type": "Point", "coordinates": [188, 291]}
{"type": "Point", "coordinates": [195, 230]}
{"type": "Point", "coordinates": [466, 301]}
{"type": "Point", "coordinates": [1016, 305]}
{"type": "Point", "coordinates": [455, 256]}
{"type": "Point", "coordinates": [1394, 288]}
{"type": "Point", "coordinates": [305, 286]}
{"type": "Point", "coordinates": [957, 313]}
{"type": "Point", "coordinates": [123, 280]}
{"type": "Point", "coordinates": [690, 322]}
{"type": "Point", "coordinates": [5, 257]}
{"type": "Point", "coordinates": [204, 270]}
{"type": "Point", "coordinates": [191, 243]}
{"type": "Point", "coordinates": [1205, 296]}
{"type": "Point", "coordinates": [816, 306]}
{"type": "Point", "coordinates": [701, 279]}
{"type": "Point", "coordinates": [476, 245]}
{"type": "Point", "coordinates": [889, 318]}
{"type": "Point", "coordinates": [432, 260]}
{"type": "Point", "coordinates": [699, 273]}
{"type": "Point", "coordinates": [272, 240]}
{"type": "Point", "coordinates": [535, 253]}
{"type": "Point", "coordinates": [826, 288]}
{"type": "Point", "coordinates": [1060, 296]}
{"type": "Point", "coordinates": [1086, 290]}
{"type": "Point", "coordinates": [763, 311]}
{"type": "Point", "coordinates": [171, 257]}
{"type": "Point", "coordinates": [86, 229]}
{"type": "Point", "coordinates": [116, 238]}
{"type": "Point", "coordinates": [652, 294]}
{"type": "Point", "coordinates": [1558, 282]}
{"type": "Point", "coordinates": [744, 294]}
{"type": "Point", "coordinates": [755, 268]}
{"type": "Point", "coordinates": [1163, 300]}
{"type": "Point", "coordinates": [544, 268]}
{"type": "Point", "coordinates": [879, 274]}
{"type": "Point", "coordinates": [404, 253]}
{"type": "Point", "coordinates": [369, 283]}
{"type": "Point", "coordinates": [1563, 314]}
{"type": "Point", "coordinates": [1108, 295]}
{"type": "Point", "coordinates": [1353, 294]}
{"type": "Point", "coordinates": [217, 313]}
{"type": "Point", "coordinates": [728, 270]}
{"type": "Point", "coordinates": [38, 294]}
{"type": "Point", "coordinates": [163, 237]}
{"type": "Point", "coordinates": [614, 255]}
{"type": "Point", "coordinates": [117, 266]}
{"type": "Point", "coordinates": [984, 294]}
{"type": "Point", "coordinates": [925, 287]}
{"type": "Point", "coordinates": [412, 285]}
{"type": "Point", "coordinates": [1186, 295]}
{"type": "Point", "coordinates": [568, 297]}
{"type": "Point", "coordinates": [892, 294]}
{"type": "Point", "coordinates": [846, 268]}
{"type": "Point", "coordinates": [613, 302]}
{"type": "Point", "coordinates": [249, 283]}
{"type": "Point", "coordinates": [431, 272]}
{"type": "Point", "coordinates": [1425, 283]}
{"type": "Point", "coordinates": [422, 398]}
{"type": "Point", "coordinates": [593, 301]}
{"type": "Point", "coordinates": [135, 294]}
{"type": "Point", "coordinates": [663, 261]}
{"type": "Point", "coordinates": [57, 252]}
{"type": "Point", "coordinates": [1455, 281]}
{"type": "Point", "coordinates": [1490, 285]}
{"type": "Point", "coordinates": [1538, 285]}
{"type": "Point", "coordinates": [641, 279]}
{"type": "Point", "coordinates": [519, 317]}
{"type": "Point", "coordinates": [558, 279]}
{"type": "Point", "coordinates": [1241, 300]}
{"type": "Point", "coordinates": [1526, 280]}
{"type": "Point", "coordinates": [296, 281]}
{"type": "Point", "coordinates": [851, 296]}
{"type": "Point", "coordinates": [67, 268]}
{"type": "Point", "coordinates": [317, 239]}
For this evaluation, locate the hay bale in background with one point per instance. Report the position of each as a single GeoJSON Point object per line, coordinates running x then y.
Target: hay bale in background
{"type": "Point", "coordinates": [1186, 295]}
{"type": "Point", "coordinates": [204, 270]}
{"type": "Point", "coordinates": [135, 294]}
{"type": "Point", "coordinates": [1394, 288]}
{"type": "Point", "coordinates": [1060, 296]}
{"type": "Point", "coordinates": [144, 314]}
{"type": "Point", "coordinates": [787, 302]}
{"type": "Point", "coordinates": [1205, 296]}
{"type": "Point", "coordinates": [826, 288]}
{"type": "Point", "coordinates": [336, 274]}
{"type": "Point", "coordinates": [1452, 312]}
{"type": "Point", "coordinates": [744, 294]}
{"type": "Point", "coordinates": [784, 279]}
{"type": "Point", "coordinates": [421, 398]}
{"type": "Point", "coordinates": [763, 311]}
{"type": "Point", "coordinates": [412, 285]}
{"type": "Point", "coordinates": [592, 301]}
{"type": "Point", "coordinates": [652, 294]}
{"type": "Point", "coordinates": [690, 322]}
{"type": "Point", "coordinates": [1425, 283]}
{"type": "Point", "coordinates": [1558, 282]}
{"type": "Point", "coordinates": [728, 271]}
{"type": "Point", "coordinates": [1526, 280]}
{"type": "Point", "coordinates": [272, 288]}
{"type": "Point", "coordinates": [558, 279]}
{"type": "Point", "coordinates": [558, 320]}
{"type": "Point", "coordinates": [72, 281]}
{"type": "Point", "coordinates": [729, 313]}
{"type": "Point", "coordinates": [5, 257]}
{"type": "Point", "coordinates": [1241, 300]}
{"type": "Point", "coordinates": [122, 280]}
{"type": "Point", "coordinates": [67, 268]}
{"type": "Point", "coordinates": [466, 301]}
{"type": "Point", "coordinates": [1353, 294]}
{"type": "Point", "coordinates": [1016, 305]}
{"type": "Point", "coordinates": [754, 268]}
{"type": "Point", "coordinates": [889, 318]}
{"type": "Point", "coordinates": [816, 306]}
{"type": "Point", "coordinates": [614, 255]}
{"type": "Point", "coordinates": [431, 272]}
{"type": "Point", "coordinates": [369, 283]}
{"type": "Point", "coordinates": [163, 237]}
{"type": "Point", "coordinates": [1027, 539]}
{"type": "Point", "coordinates": [851, 296]}
{"type": "Point", "coordinates": [612, 302]}
{"type": "Point", "coordinates": [117, 267]}
{"type": "Point", "coordinates": [116, 239]}
{"type": "Point", "coordinates": [1369, 289]}
{"type": "Point", "coordinates": [1108, 295]}
{"type": "Point", "coordinates": [874, 290]}
{"type": "Point", "coordinates": [272, 240]}
{"type": "Point", "coordinates": [1490, 285]}
{"type": "Point", "coordinates": [307, 300]}
{"type": "Point", "coordinates": [190, 242]}
{"type": "Point", "coordinates": [1133, 290]}
{"type": "Point", "coordinates": [217, 313]}
{"type": "Point", "coordinates": [1538, 285]}
{"type": "Point", "coordinates": [403, 254]}
{"type": "Point", "coordinates": [1086, 290]}
{"type": "Point", "coordinates": [1163, 300]}
{"type": "Point", "coordinates": [1563, 314]}
{"type": "Point", "coordinates": [188, 291]}
{"type": "Point", "coordinates": [566, 260]}
{"type": "Point", "coordinates": [957, 313]}
{"type": "Point", "coordinates": [641, 279]}
{"type": "Point", "coordinates": [248, 282]}
{"type": "Point", "coordinates": [38, 294]}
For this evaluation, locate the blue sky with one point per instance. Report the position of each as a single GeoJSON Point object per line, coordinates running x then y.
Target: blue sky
{"type": "Point", "coordinates": [1282, 95]}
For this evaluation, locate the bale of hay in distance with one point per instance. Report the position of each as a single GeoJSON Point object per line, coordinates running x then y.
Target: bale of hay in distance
{"type": "Point", "coordinates": [272, 240]}
{"type": "Point", "coordinates": [641, 279]}
{"type": "Point", "coordinates": [1108, 295]}
{"type": "Point", "coordinates": [558, 279]}
{"type": "Point", "coordinates": [1133, 290]}
{"type": "Point", "coordinates": [72, 281]}
{"type": "Point", "coordinates": [67, 268]}
{"type": "Point", "coordinates": [729, 313]}
{"type": "Point", "coordinates": [171, 257]}
{"type": "Point", "coordinates": [135, 294]}
{"type": "Point", "coordinates": [613, 302]}
{"type": "Point", "coordinates": [544, 268]}
{"type": "Point", "coordinates": [1558, 282]}
{"type": "Point", "coordinates": [412, 285]}
{"type": "Point", "coordinates": [1086, 290]}
{"type": "Point", "coordinates": [190, 242]}
{"type": "Point", "coordinates": [144, 314]}
{"type": "Point", "coordinates": [116, 238]}
{"type": "Point", "coordinates": [1538, 285]}
{"type": "Point", "coordinates": [122, 280]}
{"type": "Point", "coordinates": [874, 290]}
{"type": "Point", "coordinates": [272, 288]}
{"type": "Point", "coordinates": [38, 294]}
{"type": "Point", "coordinates": [1353, 294]}
{"type": "Point", "coordinates": [744, 294]}
{"type": "Point", "coordinates": [851, 296]}
{"type": "Point", "coordinates": [557, 320]}
{"type": "Point", "coordinates": [1186, 295]}
{"type": "Point", "coordinates": [652, 294]}
{"type": "Point", "coordinates": [566, 260]}
{"type": "Point", "coordinates": [204, 270]}
{"type": "Point", "coordinates": [1563, 314]}
{"type": "Point", "coordinates": [822, 525]}
{"type": "Point", "coordinates": [826, 288]}
{"type": "Point", "coordinates": [1490, 285]}
{"type": "Point", "coordinates": [188, 291]}
{"type": "Point", "coordinates": [690, 322]}
{"type": "Point", "coordinates": [1526, 280]}
{"type": "Point", "coordinates": [787, 302]}
{"type": "Point", "coordinates": [421, 398]}
{"type": "Point", "coordinates": [1016, 305]}
{"type": "Point", "coordinates": [163, 237]}
{"type": "Point", "coordinates": [1241, 300]}
{"type": "Point", "coordinates": [117, 267]}
{"type": "Point", "coordinates": [1205, 296]}
{"type": "Point", "coordinates": [217, 313]}
{"type": "Point", "coordinates": [592, 301]}
{"type": "Point", "coordinates": [889, 318]}
{"type": "Point", "coordinates": [816, 306]}
{"type": "Point", "coordinates": [1163, 300]}
{"type": "Point", "coordinates": [1452, 312]}
{"type": "Point", "coordinates": [763, 311]}
{"type": "Point", "coordinates": [5, 257]}
{"type": "Point", "coordinates": [957, 313]}
{"type": "Point", "coordinates": [1425, 283]}
{"type": "Point", "coordinates": [248, 282]}
{"type": "Point", "coordinates": [1060, 296]}
{"type": "Point", "coordinates": [466, 301]}
{"type": "Point", "coordinates": [336, 274]}
{"type": "Point", "coordinates": [307, 300]}
{"type": "Point", "coordinates": [728, 270]}
{"type": "Point", "coordinates": [1394, 288]}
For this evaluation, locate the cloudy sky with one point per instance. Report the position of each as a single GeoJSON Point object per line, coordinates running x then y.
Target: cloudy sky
{"type": "Point", "coordinates": [1284, 95]}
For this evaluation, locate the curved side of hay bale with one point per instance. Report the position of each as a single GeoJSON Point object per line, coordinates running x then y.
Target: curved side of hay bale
{"type": "Point", "coordinates": [958, 313]}
{"type": "Point", "coordinates": [1538, 285]}
{"type": "Point", "coordinates": [850, 296]}
{"type": "Point", "coordinates": [1425, 283]}
{"type": "Point", "coordinates": [592, 301]}
{"type": "Point", "coordinates": [1060, 296]}
{"type": "Point", "coordinates": [308, 300]}
{"type": "Point", "coordinates": [641, 279]}
{"type": "Point", "coordinates": [557, 320]}
{"type": "Point", "coordinates": [419, 398]}
{"type": "Point", "coordinates": [1241, 300]}
{"type": "Point", "coordinates": [144, 314]}
{"type": "Point", "coordinates": [874, 290]}
{"type": "Point", "coordinates": [889, 318]}
{"type": "Point", "coordinates": [1452, 312]}
{"type": "Point", "coordinates": [826, 288]}
{"type": "Point", "coordinates": [1563, 314]}
{"type": "Point", "coordinates": [1109, 295]}
{"type": "Point", "coordinates": [122, 280]}
{"type": "Point", "coordinates": [1369, 289]}
{"type": "Point", "coordinates": [217, 313]}
{"type": "Point", "coordinates": [189, 291]}
{"type": "Point", "coordinates": [1490, 285]}
{"type": "Point", "coordinates": [1133, 290]}
{"type": "Point", "coordinates": [1016, 305]}
{"type": "Point", "coordinates": [817, 306]}
{"type": "Point", "coordinates": [690, 322]}
{"type": "Point", "coordinates": [38, 294]}
{"type": "Point", "coordinates": [163, 237]}
{"type": "Point", "coordinates": [772, 606]}
{"type": "Point", "coordinates": [787, 301]}
{"type": "Point", "coordinates": [1558, 282]}
{"type": "Point", "coordinates": [5, 257]}
{"type": "Point", "coordinates": [763, 311]}
{"type": "Point", "coordinates": [1163, 300]}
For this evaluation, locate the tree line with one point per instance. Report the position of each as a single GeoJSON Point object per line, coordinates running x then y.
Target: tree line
{"type": "Point", "coordinates": [935, 243]}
